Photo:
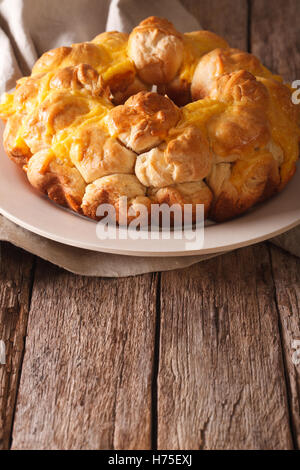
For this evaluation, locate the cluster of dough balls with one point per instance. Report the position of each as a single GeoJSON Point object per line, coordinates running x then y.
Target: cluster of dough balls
{"type": "Point", "coordinates": [219, 130]}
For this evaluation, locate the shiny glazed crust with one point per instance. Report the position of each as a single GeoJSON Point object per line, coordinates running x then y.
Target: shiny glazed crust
{"type": "Point", "coordinates": [221, 131]}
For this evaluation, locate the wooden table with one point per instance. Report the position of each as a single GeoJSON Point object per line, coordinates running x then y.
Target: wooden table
{"type": "Point", "coordinates": [193, 359]}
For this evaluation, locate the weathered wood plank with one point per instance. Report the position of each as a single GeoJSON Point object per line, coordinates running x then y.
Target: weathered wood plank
{"type": "Point", "coordinates": [221, 379]}
{"type": "Point", "coordinates": [286, 274]}
{"type": "Point", "coordinates": [15, 287]}
{"type": "Point", "coordinates": [275, 35]}
{"type": "Point", "coordinates": [229, 18]}
{"type": "Point", "coordinates": [275, 39]}
{"type": "Point", "coordinates": [87, 369]}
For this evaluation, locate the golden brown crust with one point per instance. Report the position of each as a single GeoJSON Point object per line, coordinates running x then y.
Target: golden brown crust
{"type": "Point", "coordinates": [185, 193]}
{"type": "Point", "coordinates": [95, 154]}
{"type": "Point", "coordinates": [106, 54]}
{"type": "Point", "coordinates": [109, 190]}
{"type": "Point", "coordinates": [82, 76]}
{"type": "Point", "coordinates": [216, 63]}
{"type": "Point", "coordinates": [63, 184]}
{"type": "Point", "coordinates": [156, 49]}
{"type": "Point", "coordinates": [239, 188]}
{"type": "Point", "coordinates": [27, 90]}
{"type": "Point", "coordinates": [230, 150]}
{"type": "Point", "coordinates": [282, 94]}
{"type": "Point", "coordinates": [240, 87]}
{"type": "Point", "coordinates": [249, 161]}
{"type": "Point", "coordinates": [117, 70]}
{"type": "Point", "coordinates": [196, 44]}
{"type": "Point", "coordinates": [57, 112]}
{"type": "Point", "coordinates": [143, 121]}
{"type": "Point", "coordinates": [284, 118]}
{"type": "Point", "coordinates": [185, 158]}
{"type": "Point", "coordinates": [243, 127]}
{"type": "Point", "coordinates": [82, 53]}
{"type": "Point", "coordinates": [111, 40]}
{"type": "Point", "coordinates": [65, 98]}
{"type": "Point", "coordinates": [124, 92]}
{"type": "Point", "coordinates": [238, 132]}
{"type": "Point", "coordinates": [16, 149]}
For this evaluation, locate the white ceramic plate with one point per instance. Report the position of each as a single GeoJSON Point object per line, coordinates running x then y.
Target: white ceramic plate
{"type": "Point", "coordinates": [20, 203]}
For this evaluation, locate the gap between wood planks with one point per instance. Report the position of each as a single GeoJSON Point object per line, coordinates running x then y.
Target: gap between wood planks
{"type": "Point", "coordinates": [32, 274]}
{"type": "Point", "coordinates": [285, 369]}
{"type": "Point", "coordinates": [154, 404]}
{"type": "Point", "coordinates": [17, 272]}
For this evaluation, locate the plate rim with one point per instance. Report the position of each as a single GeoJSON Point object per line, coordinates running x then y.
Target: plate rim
{"type": "Point", "coordinates": [131, 252]}
{"type": "Point", "coordinates": [11, 212]}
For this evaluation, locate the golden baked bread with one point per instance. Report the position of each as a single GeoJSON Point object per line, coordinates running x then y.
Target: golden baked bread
{"type": "Point", "coordinates": [221, 130]}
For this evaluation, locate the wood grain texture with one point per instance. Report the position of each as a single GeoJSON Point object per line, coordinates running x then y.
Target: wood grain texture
{"type": "Point", "coordinates": [229, 18]}
{"type": "Point", "coordinates": [221, 381]}
{"type": "Point", "coordinates": [275, 38]}
{"type": "Point", "coordinates": [87, 370]}
{"type": "Point", "coordinates": [275, 35]}
{"type": "Point", "coordinates": [15, 288]}
{"type": "Point", "coordinates": [286, 274]}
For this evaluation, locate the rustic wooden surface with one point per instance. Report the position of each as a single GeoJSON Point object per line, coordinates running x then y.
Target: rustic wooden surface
{"type": "Point", "coordinates": [221, 380]}
{"type": "Point", "coordinates": [88, 364]}
{"type": "Point", "coordinates": [193, 359]}
{"type": "Point", "coordinates": [16, 269]}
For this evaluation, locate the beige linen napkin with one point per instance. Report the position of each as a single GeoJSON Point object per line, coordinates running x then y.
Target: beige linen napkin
{"type": "Point", "coordinates": [30, 27]}
{"type": "Point", "coordinates": [90, 263]}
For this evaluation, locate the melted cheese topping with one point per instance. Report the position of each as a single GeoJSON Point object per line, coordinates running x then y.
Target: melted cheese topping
{"type": "Point", "coordinates": [285, 133]}
{"type": "Point", "coordinates": [199, 112]}
{"type": "Point", "coordinates": [117, 60]}
{"type": "Point", "coordinates": [196, 44]}
{"type": "Point", "coordinates": [284, 130]}
{"type": "Point", "coordinates": [64, 139]}
{"type": "Point", "coordinates": [7, 107]}
{"type": "Point", "coordinates": [61, 140]}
